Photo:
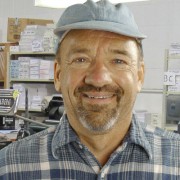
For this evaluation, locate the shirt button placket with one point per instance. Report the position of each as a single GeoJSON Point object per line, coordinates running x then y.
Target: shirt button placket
{"type": "Point", "coordinates": [103, 173]}
{"type": "Point", "coordinates": [80, 146]}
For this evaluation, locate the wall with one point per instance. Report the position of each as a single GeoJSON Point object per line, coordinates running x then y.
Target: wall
{"type": "Point", "coordinates": [158, 19]}
{"type": "Point", "coordinates": [23, 9]}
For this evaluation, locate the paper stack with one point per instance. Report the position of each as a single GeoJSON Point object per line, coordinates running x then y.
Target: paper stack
{"type": "Point", "coordinates": [14, 69]}
{"type": "Point", "coordinates": [51, 70]}
{"type": "Point", "coordinates": [24, 67]}
{"type": "Point", "coordinates": [174, 49]}
{"type": "Point", "coordinates": [36, 93]}
{"type": "Point", "coordinates": [36, 102]}
{"type": "Point", "coordinates": [46, 69]}
{"type": "Point", "coordinates": [31, 38]}
{"type": "Point", "coordinates": [49, 39]}
{"type": "Point", "coordinates": [142, 116]}
{"type": "Point", "coordinates": [34, 68]}
{"type": "Point", "coordinates": [21, 89]}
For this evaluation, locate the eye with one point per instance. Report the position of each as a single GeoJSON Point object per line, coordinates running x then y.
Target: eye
{"type": "Point", "coordinates": [80, 60]}
{"type": "Point", "coordinates": [119, 61]}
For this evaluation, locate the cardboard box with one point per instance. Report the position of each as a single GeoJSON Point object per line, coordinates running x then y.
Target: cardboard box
{"type": "Point", "coordinates": [4, 50]}
{"type": "Point", "coordinates": [17, 25]}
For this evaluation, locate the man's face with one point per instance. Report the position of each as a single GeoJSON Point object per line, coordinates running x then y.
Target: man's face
{"type": "Point", "coordinates": [99, 77]}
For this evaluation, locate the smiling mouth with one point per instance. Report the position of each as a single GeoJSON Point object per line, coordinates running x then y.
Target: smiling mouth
{"type": "Point", "coordinates": [98, 97]}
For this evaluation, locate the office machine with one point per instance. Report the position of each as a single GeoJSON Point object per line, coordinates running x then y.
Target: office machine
{"type": "Point", "coordinates": [53, 107]}
{"type": "Point", "coordinates": [8, 107]}
{"type": "Point", "coordinates": [173, 109]}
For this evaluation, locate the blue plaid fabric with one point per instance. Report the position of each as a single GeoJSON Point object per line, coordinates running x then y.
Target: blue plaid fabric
{"type": "Point", "coordinates": [56, 153]}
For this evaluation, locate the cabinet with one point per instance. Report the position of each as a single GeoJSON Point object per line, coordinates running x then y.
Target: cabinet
{"type": "Point", "coordinates": [4, 49]}
{"type": "Point", "coordinates": [171, 91]}
{"type": "Point", "coordinates": [2, 65]}
{"type": "Point", "coordinates": [31, 72]}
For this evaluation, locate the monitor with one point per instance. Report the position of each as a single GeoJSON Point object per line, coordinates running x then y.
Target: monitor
{"type": "Point", "coordinates": [173, 109]}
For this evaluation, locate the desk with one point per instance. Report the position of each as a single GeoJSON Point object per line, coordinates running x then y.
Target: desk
{"type": "Point", "coordinates": [7, 137]}
{"type": "Point", "coordinates": [4, 143]}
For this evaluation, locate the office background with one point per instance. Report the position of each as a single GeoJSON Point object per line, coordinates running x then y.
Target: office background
{"type": "Point", "coordinates": [158, 19]}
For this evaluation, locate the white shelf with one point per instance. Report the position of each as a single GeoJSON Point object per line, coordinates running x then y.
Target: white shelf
{"type": "Point", "coordinates": [171, 93]}
{"type": "Point", "coordinates": [32, 53]}
{"type": "Point", "coordinates": [171, 127]}
{"type": "Point", "coordinates": [29, 110]}
{"type": "Point", "coordinates": [31, 83]}
{"type": "Point", "coordinates": [168, 57]}
{"type": "Point", "coordinates": [33, 80]}
{"type": "Point", "coordinates": [173, 56]}
{"type": "Point", "coordinates": [152, 91]}
{"type": "Point", "coordinates": [19, 54]}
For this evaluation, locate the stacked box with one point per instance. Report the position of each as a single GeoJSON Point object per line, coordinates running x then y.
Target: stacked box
{"type": "Point", "coordinates": [17, 25]}
{"type": "Point", "coordinates": [32, 38]}
{"type": "Point", "coordinates": [34, 68]}
{"type": "Point", "coordinates": [36, 102]}
{"type": "Point", "coordinates": [36, 92]}
{"type": "Point", "coordinates": [14, 69]}
{"type": "Point", "coordinates": [24, 67]}
{"type": "Point", "coordinates": [49, 39]}
{"type": "Point", "coordinates": [46, 69]}
{"type": "Point", "coordinates": [51, 70]}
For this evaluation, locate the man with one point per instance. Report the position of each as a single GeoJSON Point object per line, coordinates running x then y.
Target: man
{"type": "Point", "coordinates": [99, 70]}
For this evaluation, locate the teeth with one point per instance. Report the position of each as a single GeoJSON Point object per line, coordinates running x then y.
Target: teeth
{"type": "Point", "coordinates": [99, 97]}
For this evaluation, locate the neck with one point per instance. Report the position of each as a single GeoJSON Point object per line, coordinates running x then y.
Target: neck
{"type": "Point", "coordinates": [103, 145]}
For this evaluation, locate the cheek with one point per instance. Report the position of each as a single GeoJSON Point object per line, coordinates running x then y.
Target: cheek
{"type": "Point", "coordinates": [128, 81]}
{"type": "Point", "coordinates": [71, 78]}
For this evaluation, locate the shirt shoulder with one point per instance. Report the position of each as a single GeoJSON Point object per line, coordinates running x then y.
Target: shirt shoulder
{"type": "Point", "coordinates": [160, 133]}
{"type": "Point", "coordinates": [32, 145]}
{"type": "Point", "coordinates": [165, 145]}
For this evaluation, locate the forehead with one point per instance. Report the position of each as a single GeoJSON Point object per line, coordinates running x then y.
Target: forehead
{"type": "Point", "coordinates": [87, 35]}
{"type": "Point", "coordinates": [92, 39]}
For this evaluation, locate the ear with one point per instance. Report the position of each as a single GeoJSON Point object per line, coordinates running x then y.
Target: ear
{"type": "Point", "coordinates": [140, 74]}
{"type": "Point", "coordinates": [57, 73]}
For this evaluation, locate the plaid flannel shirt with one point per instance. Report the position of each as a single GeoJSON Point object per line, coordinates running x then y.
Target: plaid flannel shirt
{"type": "Point", "coordinates": [147, 153]}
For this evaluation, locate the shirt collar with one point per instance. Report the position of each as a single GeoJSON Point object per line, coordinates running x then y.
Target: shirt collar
{"type": "Point", "coordinates": [64, 134]}
{"type": "Point", "coordinates": [138, 135]}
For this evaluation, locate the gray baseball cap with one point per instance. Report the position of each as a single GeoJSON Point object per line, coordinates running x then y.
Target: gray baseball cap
{"type": "Point", "coordinates": [101, 15]}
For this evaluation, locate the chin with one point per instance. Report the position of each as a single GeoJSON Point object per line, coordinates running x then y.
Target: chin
{"type": "Point", "coordinates": [98, 126]}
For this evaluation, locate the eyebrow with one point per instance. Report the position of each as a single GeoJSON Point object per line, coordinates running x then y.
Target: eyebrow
{"type": "Point", "coordinates": [79, 50]}
{"type": "Point", "coordinates": [121, 52]}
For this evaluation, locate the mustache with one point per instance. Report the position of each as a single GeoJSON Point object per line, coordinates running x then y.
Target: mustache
{"type": "Point", "coordinates": [106, 88]}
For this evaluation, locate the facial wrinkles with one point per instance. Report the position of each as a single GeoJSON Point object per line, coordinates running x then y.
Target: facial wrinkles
{"type": "Point", "coordinates": [109, 115]}
{"type": "Point", "coordinates": [121, 50]}
{"type": "Point", "coordinates": [98, 118]}
{"type": "Point", "coordinates": [102, 47]}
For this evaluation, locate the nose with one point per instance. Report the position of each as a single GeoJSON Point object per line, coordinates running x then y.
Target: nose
{"type": "Point", "coordinates": [98, 75]}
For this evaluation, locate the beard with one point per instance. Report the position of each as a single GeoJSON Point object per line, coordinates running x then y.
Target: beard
{"type": "Point", "coordinates": [98, 122]}
{"type": "Point", "coordinates": [98, 118]}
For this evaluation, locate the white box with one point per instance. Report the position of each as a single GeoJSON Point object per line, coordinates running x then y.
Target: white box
{"type": "Point", "coordinates": [44, 76]}
{"type": "Point", "coordinates": [34, 72]}
{"type": "Point", "coordinates": [14, 48]}
{"type": "Point", "coordinates": [34, 76]}
{"type": "Point", "coordinates": [44, 71]}
{"type": "Point", "coordinates": [34, 68]}
{"type": "Point", "coordinates": [34, 62]}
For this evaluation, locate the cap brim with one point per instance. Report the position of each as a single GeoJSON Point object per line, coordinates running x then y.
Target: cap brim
{"type": "Point", "coordinates": [101, 25]}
